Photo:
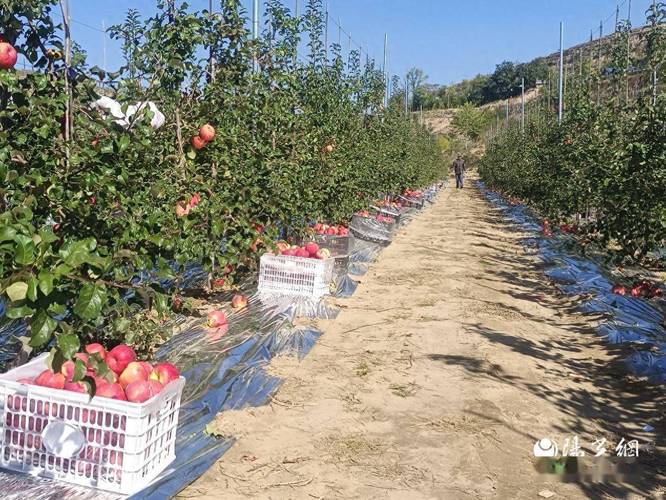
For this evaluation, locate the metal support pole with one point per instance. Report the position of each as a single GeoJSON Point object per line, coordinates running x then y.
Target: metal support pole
{"type": "Point", "coordinates": [339, 33]}
{"type": "Point", "coordinates": [386, 95]}
{"type": "Point", "coordinates": [629, 12]}
{"type": "Point", "coordinates": [211, 56]}
{"type": "Point", "coordinates": [255, 33]}
{"type": "Point", "coordinates": [561, 83]}
{"type": "Point", "coordinates": [617, 16]}
{"type": "Point", "coordinates": [522, 105]}
{"type": "Point", "coordinates": [104, 45]}
{"type": "Point", "coordinates": [654, 71]}
{"type": "Point", "coordinates": [406, 97]}
{"type": "Point", "coordinates": [296, 17]}
{"type": "Point", "coordinates": [601, 33]}
{"type": "Point", "coordinates": [326, 35]}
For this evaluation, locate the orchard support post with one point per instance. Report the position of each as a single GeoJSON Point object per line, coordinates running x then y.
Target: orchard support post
{"type": "Point", "coordinates": [522, 105]}
{"type": "Point", "coordinates": [561, 82]}
{"type": "Point", "coordinates": [255, 33]}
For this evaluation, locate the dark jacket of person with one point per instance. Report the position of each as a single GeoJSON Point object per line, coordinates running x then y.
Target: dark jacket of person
{"type": "Point", "coordinates": [459, 166]}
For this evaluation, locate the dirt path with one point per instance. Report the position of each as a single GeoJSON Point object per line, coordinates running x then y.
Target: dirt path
{"type": "Point", "coordinates": [451, 359]}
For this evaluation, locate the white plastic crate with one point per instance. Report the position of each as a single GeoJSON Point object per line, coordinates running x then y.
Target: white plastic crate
{"type": "Point", "coordinates": [299, 276]}
{"type": "Point", "coordinates": [100, 443]}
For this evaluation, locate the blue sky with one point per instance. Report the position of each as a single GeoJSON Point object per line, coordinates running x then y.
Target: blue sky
{"type": "Point", "coordinates": [448, 39]}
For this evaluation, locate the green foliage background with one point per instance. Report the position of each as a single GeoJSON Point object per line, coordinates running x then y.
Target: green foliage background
{"type": "Point", "coordinates": [80, 218]}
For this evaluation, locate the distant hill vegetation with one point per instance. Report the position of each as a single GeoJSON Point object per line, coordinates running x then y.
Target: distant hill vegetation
{"type": "Point", "coordinates": [505, 81]}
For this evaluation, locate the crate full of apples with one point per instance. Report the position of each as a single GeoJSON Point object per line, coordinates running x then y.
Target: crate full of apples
{"type": "Point", "coordinates": [305, 271]}
{"type": "Point", "coordinates": [335, 238]}
{"type": "Point", "coordinates": [119, 440]}
{"type": "Point", "coordinates": [378, 228]}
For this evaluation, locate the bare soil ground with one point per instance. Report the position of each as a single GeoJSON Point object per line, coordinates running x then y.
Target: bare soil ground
{"type": "Point", "coordinates": [451, 359]}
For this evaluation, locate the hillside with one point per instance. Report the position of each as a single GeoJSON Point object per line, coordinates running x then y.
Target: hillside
{"type": "Point", "coordinates": [505, 81]}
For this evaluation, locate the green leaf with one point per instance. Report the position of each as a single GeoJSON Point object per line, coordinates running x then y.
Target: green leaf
{"type": "Point", "coordinates": [76, 253]}
{"type": "Point", "coordinates": [47, 235]}
{"type": "Point", "coordinates": [80, 370]}
{"type": "Point", "coordinates": [55, 360]}
{"type": "Point", "coordinates": [91, 387]}
{"type": "Point", "coordinates": [91, 299]}
{"type": "Point", "coordinates": [41, 328]}
{"type": "Point", "coordinates": [122, 143]}
{"type": "Point", "coordinates": [45, 280]}
{"type": "Point", "coordinates": [68, 344]}
{"type": "Point", "coordinates": [161, 303]}
{"type": "Point", "coordinates": [19, 312]}
{"type": "Point", "coordinates": [25, 250]}
{"type": "Point", "coordinates": [62, 270]}
{"type": "Point", "coordinates": [17, 291]}
{"type": "Point", "coordinates": [32, 288]}
{"type": "Point", "coordinates": [7, 233]}
{"type": "Point", "coordinates": [56, 309]}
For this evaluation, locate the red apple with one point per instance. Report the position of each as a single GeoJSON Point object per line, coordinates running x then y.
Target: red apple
{"type": "Point", "coordinates": [239, 301]}
{"type": "Point", "coordinates": [100, 381]}
{"type": "Point", "coordinates": [194, 200]}
{"type": "Point", "coordinates": [83, 357]}
{"type": "Point", "coordinates": [111, 391]}
{"type": "Point", "coordinates": [75, 387]}
{"type": "Point", "coordinates": [146, 366]}
{"type": "Point", "coordinates": [49, 379]}
{"type": "Point", "coordinates": [207, 132]}
{"type": "Point", "coordinates": [216, 319]}
{"type": "Point", "coordinates": [182, 209]}
{"type": "Point", "coordinates": [198, 142]}
{"type": "Point", "coordinates": [142, 390]}
{"type": "Point", "coordinates": [124, 355]}
{"type": "Point", "coordinates": [67, 370]}
{"type": "Point", "coordinates": [323, 253]}
{"type": "Point", "coordinates": [7, 56]}
{"type": "Point", "coordinates": [164, 373]}
{"type": "Point", "coordinates": [133, 372]}
{"type": "Point", "coordinates": [619, 289]}
{"type": "Point", "coordinates": [155, 387]}
{"type": "Point", "coordinates": [636, 291]}
{"type": "Point", "coordinates": [312, 248]}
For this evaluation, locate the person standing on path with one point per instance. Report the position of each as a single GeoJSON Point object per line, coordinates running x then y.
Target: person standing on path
{"type": "Point", "coordinates": [459, 170]}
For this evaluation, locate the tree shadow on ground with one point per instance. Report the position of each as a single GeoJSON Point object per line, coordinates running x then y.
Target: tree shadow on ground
{"type": "Point", "coordinates": [614, 402]}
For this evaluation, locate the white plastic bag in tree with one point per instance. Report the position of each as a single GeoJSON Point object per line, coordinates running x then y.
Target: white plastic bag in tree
{"type": "Point", "coordinates": [156, 121]}
{"type": "Point", "coordinates": [113, 107]}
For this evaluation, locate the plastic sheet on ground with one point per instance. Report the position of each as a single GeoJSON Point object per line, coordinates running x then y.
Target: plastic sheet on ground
{"type": "Point", "coordinates": [364, 253]}
{"type": "Point", "coordinates": [370, 229]}
{"type": "Point", "coordinates": [344, 285]}
{"type": "Point", "coordinates": [635, 322]}
{"type": "Point", "coordinates": [224, 370]}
